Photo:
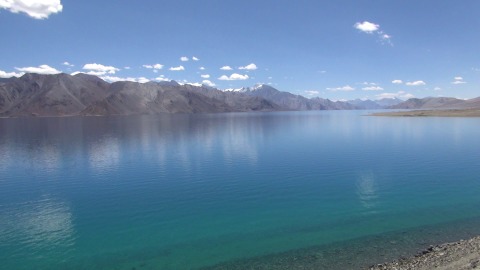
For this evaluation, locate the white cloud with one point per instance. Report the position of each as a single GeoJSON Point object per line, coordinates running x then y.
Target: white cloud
{"type": "Point", "coordinates": [184, 59]}
{"type": "Point", "coordinates": [129, 79]}
{"type": "Point", "coordinates": [142, 80]}
{"type": "Point", "coordinates": [343, 88]}
{"type": "Point", "coordinates": [179, 68]}
{"type": "Point", "coordinates": [458, 80]}
{"type": "Point", "coordinates": [312, 93]}
{"type": "Point", "coordinates": [95, 73]}
{"type": "Point", "coordinates": [195, 58]}
{"type": "Point", "coordinates": [66, 63]}
{"type": "Point", "coordinates": [397, 81]}
{"type": "Point", "coordinates": [233, 77]}
{"type": "Point", "coordinates": [4, 74]}
{"type": "Point", "coordinates": [38, 9]}
{"type": "Point", "coordinates": [205, 76]}
{"type": "Point", "coordinates": [437, 88]}
{"type": "Point", "coordinates": [399, 94]}
{"type": "Point", "coordinates": [372, 88]}
{"type": "Point", "coordinates": [154, 66]}
{"type": "Point", "coordinates": [127, 68]}
{"type": "Point", "coordinates": [100, 69]}
{"type": "Point", "coordinates": [226, 68]}
{"type": "Point", "coordinates": [367, 27]}
{"type": "Point", "coordinates": [251, 66]}
{"type": "Point", "coordinates": [415, 83]}
{"type": "Point", "coordinates": [370, 28]}
{"type": "Point", "coordinates": [162, 78]}
{"type": "Point", "coordinates": [42, 69]}
{"type": "Point", "coordinates": [201, 68]}
{"type": "Point", "coordinates": [208, 83]}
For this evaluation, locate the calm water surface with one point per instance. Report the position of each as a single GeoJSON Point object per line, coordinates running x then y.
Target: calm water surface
{"type": "Point", "coordinates": [230, 190]}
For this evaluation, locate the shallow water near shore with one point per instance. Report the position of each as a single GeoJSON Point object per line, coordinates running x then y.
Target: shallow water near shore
{"type": "Point", "coordinates": [227, 191]}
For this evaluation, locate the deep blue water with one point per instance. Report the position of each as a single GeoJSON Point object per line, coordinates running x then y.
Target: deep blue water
{"type": "Point", "coordinates": [191, 191]}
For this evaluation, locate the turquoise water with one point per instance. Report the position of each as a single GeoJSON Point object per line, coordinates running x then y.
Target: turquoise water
{"type": "Point", "coordinates": [231, 190]}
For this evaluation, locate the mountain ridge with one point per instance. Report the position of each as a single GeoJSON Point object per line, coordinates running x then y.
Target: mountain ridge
{"type": "Point", "coordinates": [438, 103]}
{"type": "Point", "coordinates": [82, 94]}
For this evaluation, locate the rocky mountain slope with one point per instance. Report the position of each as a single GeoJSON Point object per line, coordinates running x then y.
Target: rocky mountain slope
{"type": "Point", "coordinates": [81, 94]}
{"type": "Point", "coordinates": [67, 95]}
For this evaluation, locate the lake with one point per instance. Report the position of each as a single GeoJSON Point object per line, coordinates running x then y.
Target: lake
{"type": "Point", "coordinates": [324, 189]}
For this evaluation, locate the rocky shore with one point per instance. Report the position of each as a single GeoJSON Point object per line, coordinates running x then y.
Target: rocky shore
{"type": "Point", "coordinates": [461, 255]}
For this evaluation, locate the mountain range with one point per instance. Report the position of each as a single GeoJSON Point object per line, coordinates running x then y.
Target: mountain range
{"type": "Point", "coordinates": [82, 94]}
{"type": "Point", "coordinates": [443, 103]}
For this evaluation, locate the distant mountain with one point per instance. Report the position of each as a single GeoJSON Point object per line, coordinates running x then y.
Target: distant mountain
{"type": "Point", "coordinates": [374, 104]}
{"type": "Point", "coordinates": [66, 95]}
{"type": "Point", "coordinates": [365, 104]}
{"type": "Point", "coordinates": [386, 102]}
{"type": "Point", "coordinates": [433, 103]}
{"type": "Point", "coordinates": [290, 101]}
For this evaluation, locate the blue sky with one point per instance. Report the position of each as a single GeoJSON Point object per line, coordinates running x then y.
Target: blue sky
{"type": "Point", "coordinates": [332, 49]}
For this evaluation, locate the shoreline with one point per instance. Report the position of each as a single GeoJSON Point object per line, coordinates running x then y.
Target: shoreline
{"type": "Point", "coordinates": [460, 255]}
{"type": "Point", "coordinates": [431, 113]}
{"type": "Point", "coordinates": [414, 248]}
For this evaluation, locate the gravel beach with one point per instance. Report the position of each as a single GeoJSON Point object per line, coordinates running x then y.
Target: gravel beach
{"type": "Point", "coordinates": [461, 255]}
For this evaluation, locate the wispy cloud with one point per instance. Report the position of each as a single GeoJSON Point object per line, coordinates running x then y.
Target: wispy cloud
{"type": "Point", "coordinates": [67, 64]}
{"type": "Point", "coordinates": [234, 77]}
{"type": "Point", "coordinates": [397, 81]}
{"type": "Point", "coordinates": [179, 68]}
{"type": "Point", "coordinates": [205, 76]}
{"type": "Point", "coordinates": [399, 94]}
{"type": "Point", "coordinates": [226, 68]}
{"type": "Point", "coordinates": [42, 69]}
{"type": "Point", "coordinates": [372, 88]}
{"type": "Point", "coordinates": [184, 59]}
{"type": "Point", "coordinates": [201, 68]}
{"type": "Point", "coordinates": [154, 66]}
{"type": "Point", "coordinates": [251, 66]}
{"type": "Point", "coordinates": [195, 58]}
{"type": "Point", "coordinates": [415, 83]}
{"type": "Point", "coordinates": [38, 9]}
{"type": "Point", "coordinates": [343, 88]}
{"type": "Point", "coordinates": [458, 80]}
{"type": "Point", "coordinates": [128, 79]}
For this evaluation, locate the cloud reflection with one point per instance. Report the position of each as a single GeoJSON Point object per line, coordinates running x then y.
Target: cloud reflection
{"type": "Point", "coordinates": [367, 190]}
